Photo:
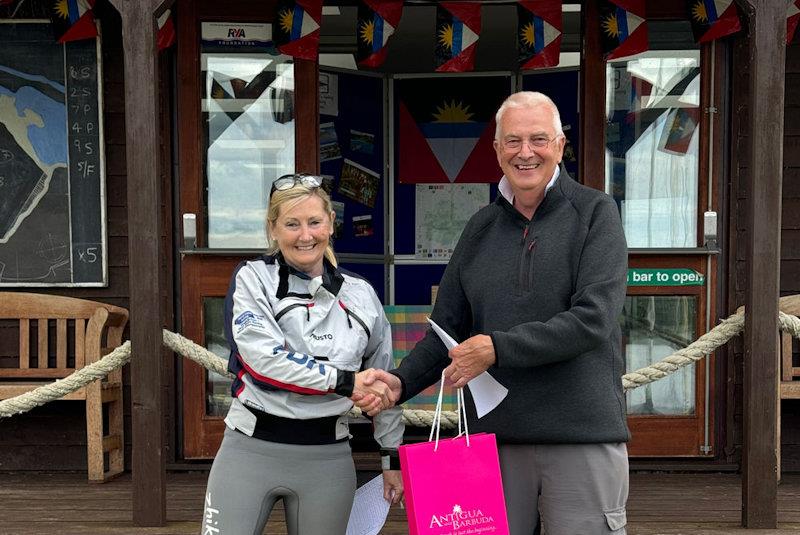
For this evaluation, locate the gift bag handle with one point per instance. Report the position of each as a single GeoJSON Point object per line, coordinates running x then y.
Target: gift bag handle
{"type": "Point", "coordinates": [461, 410]}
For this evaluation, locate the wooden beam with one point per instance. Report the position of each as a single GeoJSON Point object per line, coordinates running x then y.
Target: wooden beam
{"type": "Point", "coordinates": [767, 34]}
{"type": "Point", "coordinates": [144, 225]}
{"type": "Point", "coordinates": [592, 101]}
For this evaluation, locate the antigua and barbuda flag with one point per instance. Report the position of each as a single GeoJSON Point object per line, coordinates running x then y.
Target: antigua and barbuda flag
{"type": "Point", "coordinates": [377, 21]}
{"type": "Point", "coordinates": [539, 32]}
{"type": "Point", "coordinates": [623, 29]}
{"type": "Point", "coordinates": [712, 19]}
{"type": "Point", "coordinates": [165, 36]}
{"type": "Point", "coordinates": [447, 125]}
{"type": "Point", "coordinates": [296, 28]}
{"type": "Point", "coordinates": [679, 130]}
{"type": "Point", "coordinates": [458, 27]}
{"type": "Point", "coordinates": [73, 20]}
{"type": "Point", "coordinates": [792, 19]}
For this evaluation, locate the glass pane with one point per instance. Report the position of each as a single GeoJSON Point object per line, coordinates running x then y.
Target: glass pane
{"type": "Point", "coordinates": [652, 328]}
{"type": "Point", "coordinates": [218, 388]}
{"type": "Point", "coordinates": [652, 135]}
{"type": "Point", "coordinates": [248, 114]}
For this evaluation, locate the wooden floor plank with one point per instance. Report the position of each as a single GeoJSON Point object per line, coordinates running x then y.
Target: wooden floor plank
{"type": "Point", "coordinates": [659, 504]}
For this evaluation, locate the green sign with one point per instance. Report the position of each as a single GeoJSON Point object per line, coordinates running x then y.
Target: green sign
{"type": "Point", "coordinates": [664, 277]}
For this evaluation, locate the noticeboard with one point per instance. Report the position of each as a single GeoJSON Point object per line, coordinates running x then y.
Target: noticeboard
{"type": "Point", "coordinates": [52, 176]}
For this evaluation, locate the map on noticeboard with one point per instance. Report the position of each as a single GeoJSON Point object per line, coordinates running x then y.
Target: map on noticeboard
{"type": "Point", "coordinates": [442, 212]}
{"type": "Point", "coordinates": [52, 178]}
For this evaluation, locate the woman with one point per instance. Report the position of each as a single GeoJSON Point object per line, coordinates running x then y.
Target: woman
{"type": "Point", "coordinates": [299, 329]}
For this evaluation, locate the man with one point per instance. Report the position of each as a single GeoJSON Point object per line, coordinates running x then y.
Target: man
{"type": "Point", "coordinates": [534, 289]}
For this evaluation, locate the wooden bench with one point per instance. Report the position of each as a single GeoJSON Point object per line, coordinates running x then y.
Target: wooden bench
{"type": "Point", "coordinates": [58, 335]}
{"type": "Point", "coordinates": [790, 374]}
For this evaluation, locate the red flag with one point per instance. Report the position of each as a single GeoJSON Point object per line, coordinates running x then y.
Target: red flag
{"type": "Point", "coordinates": [539, 32]}
{"type": "Point", "coordinates": [623, 28]}
{"type": "Point", "coordinates": [679, 129]}
{"type": "Point", "coordinates": [713, 19]}
{"type": "Point", "coordinates": [792, 18]}
{"type": "Point", "coordinates": [296, 28]}
{"type": "Point", "coordinates": [73, 20]}
{"type": "Point", "coordinates": [165, 36]}
{"type": "Point", "coordinates": [458, 28]}
{"type": "Point", "coordinates": [377, 21]}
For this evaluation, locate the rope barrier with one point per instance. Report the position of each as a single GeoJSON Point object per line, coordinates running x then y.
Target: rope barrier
{"type": "Point", "coordinates": [703, 346]}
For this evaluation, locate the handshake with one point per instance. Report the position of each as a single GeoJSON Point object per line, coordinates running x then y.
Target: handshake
{"type": "Point", "coordinates": [376, 390]}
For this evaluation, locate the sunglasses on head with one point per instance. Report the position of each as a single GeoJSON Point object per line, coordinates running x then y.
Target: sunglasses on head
{"type": "Point", "coordinates": [289, 181]}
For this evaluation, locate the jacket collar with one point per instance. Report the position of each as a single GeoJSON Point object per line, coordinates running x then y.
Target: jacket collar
{"type": "Point", "coordinates": [331, 278]}
{"type": "Point", "coordinates": [557, 186]}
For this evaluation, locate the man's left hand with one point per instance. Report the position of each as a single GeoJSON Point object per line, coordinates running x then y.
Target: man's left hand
{"type": "Point", "coordinates": [470, 358]}
{"type": "Point", "coordinates": [392, 486]}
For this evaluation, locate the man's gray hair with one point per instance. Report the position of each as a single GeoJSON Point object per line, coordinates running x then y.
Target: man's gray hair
{"type": "Point", "coordinates": [528, 99]}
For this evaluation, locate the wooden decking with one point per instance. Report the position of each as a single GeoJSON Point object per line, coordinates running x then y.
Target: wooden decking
{"type": "Point", "coordinates": [696, 504]}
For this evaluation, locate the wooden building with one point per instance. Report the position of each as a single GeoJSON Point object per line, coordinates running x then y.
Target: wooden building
{"type": "Point", "coordinates": [197, 132]}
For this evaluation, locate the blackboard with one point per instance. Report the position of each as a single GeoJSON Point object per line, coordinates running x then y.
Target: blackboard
{"type": "Point", "coordinates": [52, 177]}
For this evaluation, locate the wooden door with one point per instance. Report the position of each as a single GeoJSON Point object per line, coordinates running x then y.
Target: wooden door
{"type": "Point", "coordinates": [246, 115]}
{"type": "Point", "coordinates": [657, 153]}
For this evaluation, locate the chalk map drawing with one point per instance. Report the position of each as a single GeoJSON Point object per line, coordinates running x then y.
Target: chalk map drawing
{"type": "Point", "coordinates": [35, 228]}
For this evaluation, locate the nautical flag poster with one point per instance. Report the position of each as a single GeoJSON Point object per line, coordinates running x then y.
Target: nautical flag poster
{"type": "Point", "coordinates": [297, 28]}
{"type": "Point", "coordinates": [539, 32]}
{"type": "Point", "coordinates": [623, 29]}
{"type": "Point", "coordinates": [458, 27]}
{"type": "Point", "coordinates": [377, 21]}
{"type": "Point", "coordinates": [446, 128]}
{"type": "Point", "coordinates": [713, 19]}
{"type": "Point", "coordinates": [792, 18]}
{"type": "Point", "coordinates": [73, 20]}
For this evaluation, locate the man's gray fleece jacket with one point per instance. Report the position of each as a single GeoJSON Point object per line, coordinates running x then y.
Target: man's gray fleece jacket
{"type": "Point", "coordinates": [549, 292]}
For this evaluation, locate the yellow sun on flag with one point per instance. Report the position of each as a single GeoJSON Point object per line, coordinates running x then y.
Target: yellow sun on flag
{"type": "Point", "coordinates": [217, 93]}
{"type": "Point", "coordinates": [699, 12]}
{"type": "Point", "coordinates": [61, 9]}
{"type": "Point", "coordinates": [285, 18]}
{"type": "Point", "coordinates": [528, 38]}
{"type": "Point", "coordinates": [367, 31]}
{"type": "Point", "coordinates": [446, 36]}
{"type": "Point", "coordinates": [452, 112]}
{"type": "Point", "coordinates": [611, 26]}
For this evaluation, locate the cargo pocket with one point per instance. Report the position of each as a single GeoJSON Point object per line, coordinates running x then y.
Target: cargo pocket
{"type": "Point", "coordinates": [616, 520]}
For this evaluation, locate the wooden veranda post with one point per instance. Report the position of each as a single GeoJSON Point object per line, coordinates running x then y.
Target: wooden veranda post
{"type": "Point", "coordinates": [767, 26]}
{"type": "Point", "coordinates": [144, 242]}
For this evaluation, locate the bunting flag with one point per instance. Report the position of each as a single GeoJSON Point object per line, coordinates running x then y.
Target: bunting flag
{"type": "Point", "coordinates": [623, 28]}
{"type": "Point", "coordinates": [641, 90]}
{"type": "Point", "coordinates": [377, 21]}
{"type": "Point", "coordinates": [73, 20]}
{"type": "Point", "coordinates": [458, 27]}
{"type": "Point", "coordinates": [447, 124]}
{"type": "Point", "coordinates": [679, 128]}
{"type": "Point", "coordinates": [539, 32]}
{"type": "Point", "coordinates": [165, 36]}
{"type": "Point", "coordinates": [792, 19]}
{"type": "Point", "coordinates": [712, 19]}
{"type": "Point", "coordinates": [296, 29]}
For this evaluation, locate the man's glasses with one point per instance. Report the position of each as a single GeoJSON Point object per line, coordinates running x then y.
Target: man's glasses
{"type": "Point", "coordinates": [289, 181]}
{"type": "Point", "coordinates": [539, 142]}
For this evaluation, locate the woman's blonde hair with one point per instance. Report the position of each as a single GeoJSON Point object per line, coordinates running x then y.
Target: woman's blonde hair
{"type": "Point", "coordinates": [289, 198]}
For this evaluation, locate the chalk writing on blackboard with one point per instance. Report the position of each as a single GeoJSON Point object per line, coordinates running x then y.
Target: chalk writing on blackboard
{"type": "Point", "coordinates": [52, 206]}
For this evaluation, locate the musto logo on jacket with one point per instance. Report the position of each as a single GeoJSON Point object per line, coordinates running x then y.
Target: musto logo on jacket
{"type": "Point", "coordinates": [470, 520]}
{"type": "Point", "coordinates": [248, 319]}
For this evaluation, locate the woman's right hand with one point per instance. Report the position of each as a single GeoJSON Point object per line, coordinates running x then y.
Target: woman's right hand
{"type": "Point", "coordinates": [375, 390]}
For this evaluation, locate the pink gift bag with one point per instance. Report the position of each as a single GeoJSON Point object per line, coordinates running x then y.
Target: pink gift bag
{"type": "Point", "coordinates": [453, 486]}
